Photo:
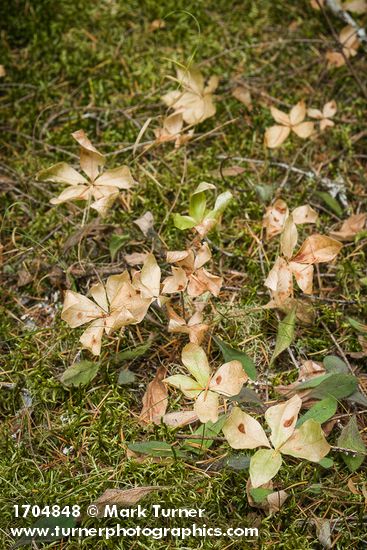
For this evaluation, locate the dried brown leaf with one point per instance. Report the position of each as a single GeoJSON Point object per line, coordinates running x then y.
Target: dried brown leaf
{"type": "Point", "coordinates": [155, 399]}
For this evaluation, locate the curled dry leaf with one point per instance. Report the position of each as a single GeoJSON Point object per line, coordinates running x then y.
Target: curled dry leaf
{"type": "Point", "coordinates": [145, 223]}
{"type": "Point", "coordinates": [157, 24]}
{"type": "Point", "coordinates": [195, 101]}
{"type": "Point", "coordinates": [288, 238]}
{"type": "Point", "coordinates": [124, 497]}
{"type": "Point", "coordinates": [315, 4]}
{"type": "Point", "coordinates": [274, 218]}
{"type": "Point", "coordinates": [355, 6]}
{"type": "Point", "coordinates": [190, 274]}
{"type": "Point", "coordinates": [204, 386]}
{"type": "Point", "coordinates": [287, 123]}
{"type": "Point", "coordinates": [243, 95]}
{"type": "Point", "coordinates": [180, 418]}
{"type": "Point", "coordinates": [277, 214]}
{"type": "Point", "coordinates": [155, 399]}
{"type": "Point", "coordinates": [318, 249]}
{"type": "Point", "coordinates": [349, 42]}
{"type": "Point", "coordinates": [136, 258]}
{"type": "Point", "coordinates": [351, 227]}
{"type": "Point", "coordinates": [325, 115]}
{"type": "Point", "coordinates": [103, 187]}
{"type": "Point", "coordinates": [194, 327]}
{"type": "Point", "coordinates": [118, 303]}
{"type": "Point", "coordinates": [172, 130]}
{"type": "Point", "coordinates": [272, 502]}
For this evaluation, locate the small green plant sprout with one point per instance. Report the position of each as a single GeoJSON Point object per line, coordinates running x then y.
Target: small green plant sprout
{"type": "Point", "coordinates": [200, 218]}
{"type": "Point", "coordinates": [120, 302]}
{"type": "Point", "coordinates": [103, 187]}
{"type": "Point", "coordinates": [204, 386]}
{"type": "Point", "coordinates": [294, 122]}
{"type": "Point", "coordinates": [189, 275]}
{"type": "Point", "coordinates": [315, 249]}
{"type": "Point", "coordinates": [244, 432]}
{"type": "Point", "coordinates": [195, 100]}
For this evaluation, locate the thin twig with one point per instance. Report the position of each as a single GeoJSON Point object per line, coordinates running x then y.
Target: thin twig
{"type": "Point", "coordinates": [337, 10]}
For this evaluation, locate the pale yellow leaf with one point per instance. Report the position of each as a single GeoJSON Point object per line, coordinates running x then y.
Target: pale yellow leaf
{"type": "Point", "coordinates": [78, 309]}
{"type": "Point", "coordinates": [289, 237]}
{"type": "Point", "coordinates": [91, 338]}
{"type": "Point", "coordinates": [229, 379]}
{"type": "Point", "coordinates": [307, 442]}
{"type": "Point", "coordinates": [282, 420]}
{"type": "Point", "coordinates": [206, 406]}
{"type": "Point", "coordinates": [244, 432]}
{"type": "Point", "coordinates": [304, 129]}
{"type": "Point", "coordinates": [304, 214]}
{"type": "Point", "coordinates": [195, 360]}
{"type": "Point", "coordinates": [276, 135]}
{"type": "Point", "coordinates": [297, 114]}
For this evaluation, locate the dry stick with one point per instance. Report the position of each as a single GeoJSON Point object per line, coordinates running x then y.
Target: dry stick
{"type": "Point", "coordinates": [347, 61]}
{"type": "Point", "coordinates": [337, 10]}
{"type": "Point", "coordinates": [338, 347]}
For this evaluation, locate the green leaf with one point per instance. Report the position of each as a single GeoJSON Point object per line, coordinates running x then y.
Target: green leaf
{"type": "Point", "coordinates": [126, 377]}
{"type": "Point", "coordinates": [240, 461]}
{"type": "Point", "coordinates": [333, 363]}
{"type": "Point", "coordinates": [116, 242]}
{"type": "Point", "coordinates": [313, 382]}
{"type": "Point", "coordinates": [231, 354]}
{"type": "Point", "coordinates": [133, 353]}
{"type": "Point", "coordinates": [260, 494]}
{"type": "Point", "coordinates": [197, 206]}
{"type": "Point", "coordinates": [209, 429]}
{"type": "Point", "coordinates": [198, 201]}
{"type": "Point", "coordinates": [264, 192]}
{"type": "Point", "coordinates": [350, 438]}
{"type": "Point", "coordinates": [315, 488]}
{"type": "Point", "coordinates": [358, 397]}
{"type": "Point", "coordinates": [321, 412]}
{"type": "Point", "coordinates": [285, 334]}
{"type": "Point", "coordinates": [183, 222]}
{"type": "Point", "coordinates": [357, 325]}
{"type": "Point", "coordinates": [50, 523]}
{"type": "Point", "coordinates": [79, 374]}
{"type": "Point", "coordinates": [331, 203]}
{"type": "Point", "coordinates": [337, 385]}
{"type": "Point", "coordinates": [221, 204]}
{"type": "Point", "coordinates": [326, 462]}
{"type": "Point", "coordinates": [246, 395]}
{"type": "Point", "coordinates": [156, 448]}
{"type": "Point", "coordinates": [264, 465]}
